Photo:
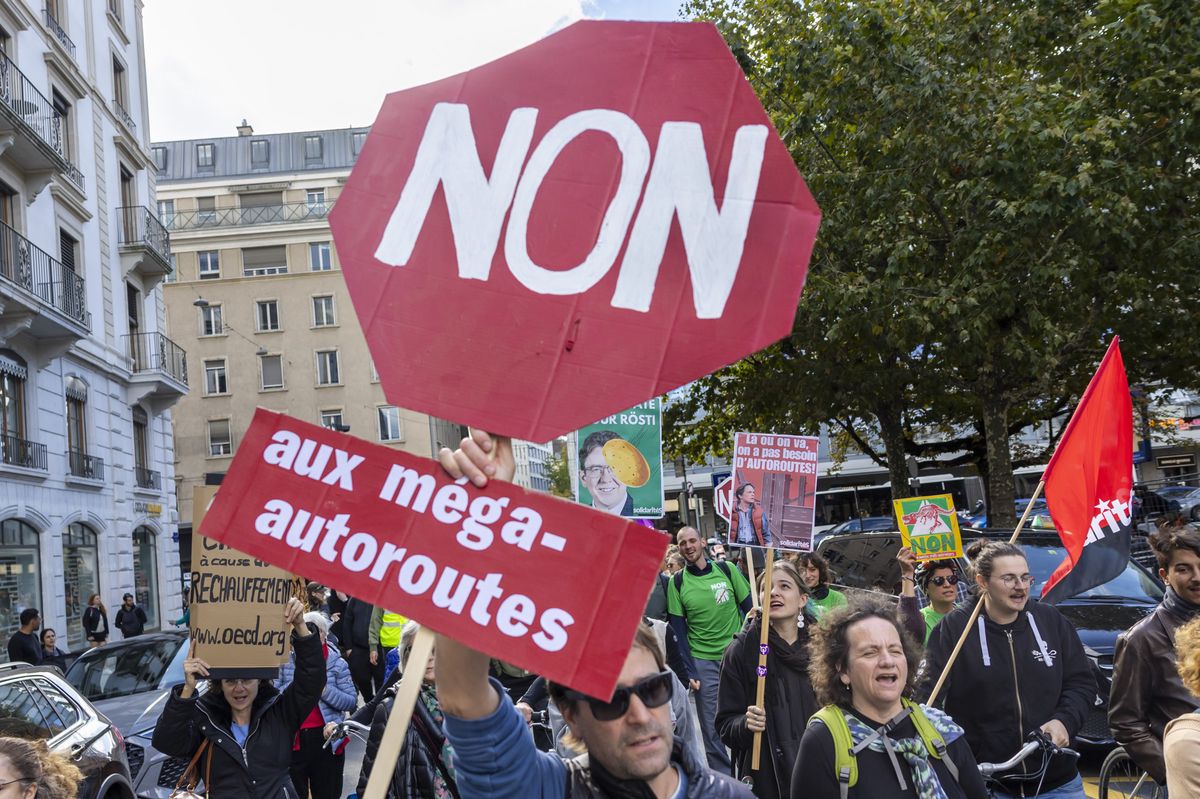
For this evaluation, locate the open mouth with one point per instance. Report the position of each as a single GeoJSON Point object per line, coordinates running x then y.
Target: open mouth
{"type": "Point", "coordinates": [644, 743]}
{"type": "Point", "coordinates": [775, 605]}
{"type": "Point", "coordinates": [888, 679]}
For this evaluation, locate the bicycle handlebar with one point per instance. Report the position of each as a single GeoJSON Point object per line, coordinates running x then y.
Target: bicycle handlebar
{"type": "Point", "coordinates": [1037, 741]}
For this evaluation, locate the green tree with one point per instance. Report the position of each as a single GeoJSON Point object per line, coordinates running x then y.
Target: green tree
{"type": "Point", "coordinates": [559, 471]}
{"type": "Point", "coordinates": [1004, 185]}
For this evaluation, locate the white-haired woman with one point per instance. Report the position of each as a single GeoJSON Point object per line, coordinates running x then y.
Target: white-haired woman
{"type": "Point", "coordinates": [317, 769]}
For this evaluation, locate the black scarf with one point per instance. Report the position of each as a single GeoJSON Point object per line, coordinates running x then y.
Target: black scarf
{"type": "Point", "coordinates": [628, 789]}
{"type": "Point", "coordinates": [1178, 606]}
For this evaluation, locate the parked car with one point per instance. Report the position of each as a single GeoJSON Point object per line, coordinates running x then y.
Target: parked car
{"type": "Point", "coordinates": [863, 525]}
{"type": "Point", "coordinates": [867, 561]}
{"type": "Point", "coordinates": [1188, 498]}
{"type": "Point", "coordinates": [36, 702]}
{"type": "Point", "coordinates": [129, 681]}
{"type": "Point", "coordinates": [1039, 515]}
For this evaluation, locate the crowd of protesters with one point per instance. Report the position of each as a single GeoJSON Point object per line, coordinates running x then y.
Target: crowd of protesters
{"type": "Point", "coordinates": [840, 711]}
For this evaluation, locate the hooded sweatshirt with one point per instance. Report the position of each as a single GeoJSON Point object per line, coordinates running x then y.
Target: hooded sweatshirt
{"type": "Point", "coordinates": [1010, 679]}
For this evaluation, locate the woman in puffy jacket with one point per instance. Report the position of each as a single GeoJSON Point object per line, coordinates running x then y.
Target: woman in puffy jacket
{"type": "Point", "coordinates": [317, 769]}
{"type": "Point", "coordinates": [249, 725]}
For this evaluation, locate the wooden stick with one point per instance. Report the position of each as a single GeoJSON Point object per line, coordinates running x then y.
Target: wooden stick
{"type": "Point", "coordinates": [962, 639]}
{"type": "Point", "coordinates": [764, 613]}
{"type": "Point", "coordinates": [749, 551]}
{"type": "Point", "coordinates": [402, 708]}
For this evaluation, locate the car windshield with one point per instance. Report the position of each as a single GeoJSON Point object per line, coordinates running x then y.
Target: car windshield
{"type": "Point", "coordinates": [1132, 583]}
{"type": "Point", "coordinates": [109, 672]}
{"type": "Point", "coordinates": [1177, 492]}
{"type": "Point", "coordinates": [878, 523]}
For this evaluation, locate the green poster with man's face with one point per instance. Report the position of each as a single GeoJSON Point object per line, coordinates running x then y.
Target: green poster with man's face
{"type": "Point", "coordinates": [620, 463]}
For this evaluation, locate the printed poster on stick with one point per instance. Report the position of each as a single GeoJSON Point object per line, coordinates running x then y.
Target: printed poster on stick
{"type": "Point", "coordinates": [499, 568]}
{"type": "Point", "coordinates": [774, 491]}
{"type": "Point", "coordinates": [929, 526]}
{"type": "Point", "coordinates": [620, 463]}
{"type": "Point", "coordinates": [236, 605]}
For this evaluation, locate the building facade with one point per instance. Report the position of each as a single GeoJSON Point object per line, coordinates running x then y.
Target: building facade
{"type": "Point", "coordinates": [531, 460]}
{"type": "Point", "coordinates": [258, 295]}
{"type": "Point", "coordinates": [87, 377]}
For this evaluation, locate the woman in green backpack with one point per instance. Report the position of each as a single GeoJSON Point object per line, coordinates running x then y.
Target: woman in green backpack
{"type": "Point", "coordinates": [868, 740]}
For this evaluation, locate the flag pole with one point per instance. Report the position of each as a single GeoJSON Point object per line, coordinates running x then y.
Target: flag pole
{"type": "Point", "coordinates": [962, 639]}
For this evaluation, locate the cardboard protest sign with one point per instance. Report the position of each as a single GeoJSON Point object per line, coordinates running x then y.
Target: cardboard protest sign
{"type": "Point", "coordinates": [929, 526]}
{"type": "Point", "coordinates": [531, 579]}
{"type": "Point", "coordinates": [774, 491]}
{"type": "Point", "coordinates": [236, 602]}
{"type": "Point", "coordinates": [610, 209]}
{"type": "Point", "coordinates": [620, 463]}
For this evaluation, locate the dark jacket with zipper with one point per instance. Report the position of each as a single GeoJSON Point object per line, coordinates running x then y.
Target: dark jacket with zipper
{"type": "Point", "coordinates": [356, 624]}
{"type": "Point", "coordinates": [789, 702]}
{"type": "Point", "coordinates": [420, 755]}
{"type": "Point", "coordinates": [261, 768]}
{"type": "Point", "coordinates": [1001, 688]}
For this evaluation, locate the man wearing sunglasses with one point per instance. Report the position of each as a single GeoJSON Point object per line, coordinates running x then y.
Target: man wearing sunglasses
{"type": "Point", "coordinates": [629, 740]}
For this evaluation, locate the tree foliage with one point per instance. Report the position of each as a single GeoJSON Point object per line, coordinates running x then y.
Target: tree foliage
{"type": "Point", "coordinates": [1004, 185]}
{"type": "Point", "coordinates": [559, 471]}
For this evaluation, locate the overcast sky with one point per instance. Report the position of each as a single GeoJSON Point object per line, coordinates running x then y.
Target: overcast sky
{"type": "Point", "coordinates": [314, 64]}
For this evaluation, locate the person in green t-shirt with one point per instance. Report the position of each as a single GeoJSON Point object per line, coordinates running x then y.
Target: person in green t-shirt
{"type": "Point", "coordinates": [939, 581]}
{"type": "Point", "coordinates": [706, 604]}
{"type": "Point", "coordinates": [815, 571]}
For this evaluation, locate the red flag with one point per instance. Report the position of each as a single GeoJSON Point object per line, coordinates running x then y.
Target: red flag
{"type": "Point", "coordinates": [1089, 484]}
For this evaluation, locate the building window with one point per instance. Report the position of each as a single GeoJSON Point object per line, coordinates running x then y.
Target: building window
{"type": "Point", "coordinates": [68, 248]}
{"type": "Point", "coordinates": [258, 261]}
{"type": "Point", "coordinates": [206, 156]}
{"type": "Point", "coordinates": [160, 159]}
{"type": "Point", "coordinates": [80, 464]}
{"type": "Point", "coordinates": [219, 440]}
{"type": "Point", "coordinates": [141, 441]}
{"type": "Point", "coordinates": [20, 574]}
{"type": "Point", "coordinates": [312, 149]}
{"type": "Point", "coordinates": [120, 86]}
{"type": "Point", "coordinates": [271, 369]}
{"type": "Point", "coordinates": [316, 201]}
{"type": "Point", "coordinates": [211, 323]}
{"type": "Point", "coordinates": [13, 374]}
{"type": "Point", "coordinates": [145, 574]}
{"type": "Point", "coordinates": [81, 567]}
{"type": "Point", "coordinates": [328, 373]}
{"type": "Point", "coordinates": [332, 419]}
{"type": "Point", "coordinates": [320, 259]}
{"type": "Point", "coordinates": [63, 109]}
{"type": "Point", "coordinates": [166, 212]}
{"type": "Point", "coordinates": [215, 381]}
{"type": "Point", "coordinates": [210, 264]}
{"type": "Point", "coordinates": [323, 315]}
{"type": "Point", "coordinates": [267, 316]}
{"type": "Point", "coordinates": [114, 8]}
{"type": "Point", "coordinates": [206, 210]}
{"type": "Point", "coordinates": [389, 424]}
{"type": "Point", "coordinates": [260, 154]}
{"type": "Point", "coordinates": [357, 138]}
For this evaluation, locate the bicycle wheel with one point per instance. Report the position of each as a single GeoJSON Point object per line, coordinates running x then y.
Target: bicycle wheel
{"type": "Point", "coordinates": [1121, 778]}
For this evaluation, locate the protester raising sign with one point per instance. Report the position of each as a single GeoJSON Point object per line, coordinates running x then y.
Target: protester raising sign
{"type": "Point", "coordinates": [501, 568]}
{"type": "Point", "coordinates": [929, 526]}
{"type": "Point", "coordinates": [236, 622]}
{"type": "Point", "coordinates": [774, 491]}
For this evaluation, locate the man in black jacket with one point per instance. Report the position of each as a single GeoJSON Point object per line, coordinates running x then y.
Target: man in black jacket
{"type": "Point", "coordinates": [131, 619]}
{"type": "Point", "coordinates": [356, 646]}
{"type": "Point", "coordinates": [1021, 669]}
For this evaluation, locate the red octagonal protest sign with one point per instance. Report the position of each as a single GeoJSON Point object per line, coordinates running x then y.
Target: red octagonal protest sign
{"type": "Point", "coordinates": [560, 234]}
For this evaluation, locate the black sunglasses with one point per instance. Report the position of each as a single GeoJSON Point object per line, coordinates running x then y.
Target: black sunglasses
{"type": "Point", "coordinates": [940, 581]}
{"type": "Point", "coordinates": [654, 691]}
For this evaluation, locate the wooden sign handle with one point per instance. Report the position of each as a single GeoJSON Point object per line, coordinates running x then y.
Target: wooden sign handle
{"type": "Point", "coordinates": [402, 707]}
{"type": "Point", "coordinates": [764, 613]}
{"type": "Point", "coordinates": [749, 553]}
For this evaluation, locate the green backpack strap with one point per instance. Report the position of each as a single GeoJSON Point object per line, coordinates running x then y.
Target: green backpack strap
{"type": "Point", "coordinates": [844, 761]}
{"type": "Point", "coordinates": [935, 744]}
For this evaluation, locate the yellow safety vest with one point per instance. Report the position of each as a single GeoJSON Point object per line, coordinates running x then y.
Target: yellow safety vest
{"type": "Point", "coordinates": [389, 633]}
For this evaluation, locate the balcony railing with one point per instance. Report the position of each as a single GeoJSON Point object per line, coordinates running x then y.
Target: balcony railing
{"type": "Point", "coordinates": [147, 478]}
{"type": "Point", "coordinates": [60, 34]}
{"type": "Point", "coordinates": [22, 98]}
{"type": "Point", "coordinates": [19, 452]}
{"type": "Point", "coordinates": [254, 215]}
{"type": "Point", "coordinates": [125, 116]}
{"type": "Point", "coordinates": [154, 352]}
{"type": "Point", "coordinates": [140, 226]}
{"type": "Point", "coordinates": [85, 465]}
{"type": "Point", "coordinates": [25, 264]}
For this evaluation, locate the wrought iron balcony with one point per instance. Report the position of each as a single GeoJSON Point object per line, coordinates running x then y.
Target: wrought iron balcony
{"type": "Point", "coordinates": [141, 228]}
{"type": "Point", "coordinates": [19, 452]}
{"type": "Point", "coordinates": [26, 109]}
{"type": "Point", "coordinates": [254, 215]}
{"type": "Point", "coordinates": [147, 478]}
{"type": "Point", "coordinates": [59, 33]}
{"type": "Point", "coordinates": [24, 264]}
{"type": "Point", "coordinates": [154, 352]}
{"type": "Point", "coordinates": [85, 465]}
{"type": "Point", "coordinates": [125, 116]}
